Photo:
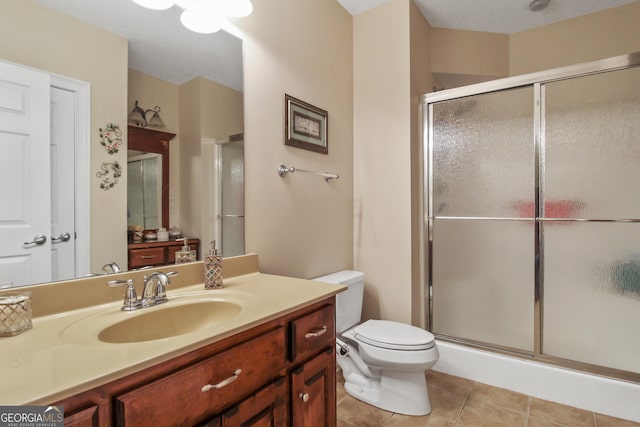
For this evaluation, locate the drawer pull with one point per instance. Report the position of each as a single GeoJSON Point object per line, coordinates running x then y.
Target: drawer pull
{"type": "Point", "coordinates": [222, 383]}
{"type": "Point", "coordinates": [304, 397]}
{"type": "Point", "coordinates": [317, 333]}
{"type": "Point", "coordinates": [147, 256]}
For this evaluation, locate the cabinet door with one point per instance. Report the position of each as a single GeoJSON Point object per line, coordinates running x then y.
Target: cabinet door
{"type": "Point", "coordinates": [266, 408]}
{"type": "Point", "coordinates": [85, 418]}
{"type": "Point", "coordinates": [313, 392]}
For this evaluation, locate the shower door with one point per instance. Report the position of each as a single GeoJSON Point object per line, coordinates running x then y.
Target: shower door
{"type": "Point", "coordinates": [482, 254]}
{"type": "Point", "coordinates": [533, 215]}
{"type": "Point", "coordinates": [591, 176]}
{"type": "Point", "coordinates": [231, 196]}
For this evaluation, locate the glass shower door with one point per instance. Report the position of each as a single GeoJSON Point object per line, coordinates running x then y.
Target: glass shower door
{"type": "Point", "coordinates": [591, 299]}
{"type": "Point", "coordinates": [481, 218]}
{"type": "Point", "coordinates": [231, 193]}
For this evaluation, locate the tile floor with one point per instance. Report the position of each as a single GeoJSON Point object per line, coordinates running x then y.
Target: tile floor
{"type": "Point", "coordinates": [463, 403]}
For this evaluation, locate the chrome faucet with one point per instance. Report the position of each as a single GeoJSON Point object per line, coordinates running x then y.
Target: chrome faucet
{"type": "Point", "coordinates": [153, 291]}
{"type": "Point", "coordinates": [114, 267]}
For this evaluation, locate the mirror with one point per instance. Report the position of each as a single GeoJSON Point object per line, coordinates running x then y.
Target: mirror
{"type": "Point", "coordinates": [95, 42]}
{"type": "Point", "coordinates": [148, 189]}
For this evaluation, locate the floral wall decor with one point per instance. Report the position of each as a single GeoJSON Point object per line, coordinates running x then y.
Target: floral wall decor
{"type": "Point", "coordinates": [108, 174]}
{"type": "Point", "coordinates": [111, 138]}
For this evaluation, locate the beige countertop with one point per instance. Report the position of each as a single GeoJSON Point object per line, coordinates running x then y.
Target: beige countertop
{"type": "Point", "coordinates": [62, 355]}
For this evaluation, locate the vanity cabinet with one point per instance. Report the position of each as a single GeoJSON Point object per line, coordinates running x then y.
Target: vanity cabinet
{"type": "Point", "coordinates": [279, 373]}
{"type": "Point", "coordinates": [158, 253]}
{"type": "Point", "coordinates": [313, 374]}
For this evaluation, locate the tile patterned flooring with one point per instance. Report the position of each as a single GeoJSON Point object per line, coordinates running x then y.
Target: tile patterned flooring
{"type": "Point", "coordinates": [458, 402]}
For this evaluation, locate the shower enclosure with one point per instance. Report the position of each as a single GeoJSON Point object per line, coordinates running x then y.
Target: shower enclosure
{"type": "Point", "coordinates": [223, 205]}
{"type": "Point", "coordinates": [532, 215]}
{"type": "Point", "coordinates": [231, 195]}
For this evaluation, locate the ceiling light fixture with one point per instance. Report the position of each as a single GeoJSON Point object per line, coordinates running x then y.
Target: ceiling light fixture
{"type": "Point", "coordinates": [538, 5]}
{"type": "Point", "coordinates": [203, 16]}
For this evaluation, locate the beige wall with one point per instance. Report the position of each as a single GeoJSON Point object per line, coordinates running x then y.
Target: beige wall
{"type": "Point", "coordinates": [150, 91]}
{"type": "Point", "coordinates": [208, 110]}
{"type": "Point", "coordinates": [595, 36]}
{"type": "Point", "coordinates": [35, 36]}
{"type": "Point", "coordinates": [221, 110]}
{"type": "Point", "coordinates": [382, 158]}
{"type": "Point", "coordinates": [299, 225]}
{"type": "Point", "coordinates": [421, 82]}
{"type": "Point", "coordinates": [469, 52]}
{"type": "Point", "coordinates": [189, 164]}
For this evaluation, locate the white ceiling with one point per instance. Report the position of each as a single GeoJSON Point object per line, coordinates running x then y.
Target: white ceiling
{"type": "Point", "coordinates": [158, 44]}
{"type": "Point", "coordinates": [161, 47]}
{"type": "Point", "coordinates": [494, 16]}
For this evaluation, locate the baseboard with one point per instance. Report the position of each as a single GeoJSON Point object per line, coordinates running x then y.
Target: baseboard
{"type": "Point", "coordinates": [607, 396]}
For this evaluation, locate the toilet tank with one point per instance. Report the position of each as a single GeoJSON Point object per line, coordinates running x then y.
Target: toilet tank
{"type": "Point", "coordinates": [348, 302]}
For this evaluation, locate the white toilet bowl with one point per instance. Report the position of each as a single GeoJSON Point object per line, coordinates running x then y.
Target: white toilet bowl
{"type": "Point", "coordinates": [383, 362]}
{"type": "Point", "coordinates": [385, 365]}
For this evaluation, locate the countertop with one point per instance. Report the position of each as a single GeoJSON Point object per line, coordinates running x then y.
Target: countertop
{"type": "Point", "coordinates": [62, 356]}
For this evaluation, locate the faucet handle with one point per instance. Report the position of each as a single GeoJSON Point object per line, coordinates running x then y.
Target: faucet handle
{"type": "Point", "coordinates": [161, 294]}
{"type": "Point", "coordinates": [130, 296]}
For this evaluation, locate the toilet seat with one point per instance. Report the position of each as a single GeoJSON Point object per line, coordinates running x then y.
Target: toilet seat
{"type": "Point", "coordinates": [393, 335]}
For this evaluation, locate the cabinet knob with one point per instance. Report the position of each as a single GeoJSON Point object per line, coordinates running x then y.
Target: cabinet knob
{"type": "Point", "coordinates": [304, 397]}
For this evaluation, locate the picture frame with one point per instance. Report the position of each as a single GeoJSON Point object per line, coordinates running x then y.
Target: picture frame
{"type": "Point", "coordinates": [305, 126]}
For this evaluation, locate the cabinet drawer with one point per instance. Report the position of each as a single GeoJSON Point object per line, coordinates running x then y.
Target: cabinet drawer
{"type": "Point", "coordinates": [197, 392]}
{"type": "Point", "coordinates": [312, 331]}
{"type": "Point", "coordinates": [149, 256]}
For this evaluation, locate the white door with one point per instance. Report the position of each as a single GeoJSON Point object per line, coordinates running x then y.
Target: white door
{"type": "Point", "coordinates": [25, 244]}
{"type": "Point", "coordinates": [62, 184]}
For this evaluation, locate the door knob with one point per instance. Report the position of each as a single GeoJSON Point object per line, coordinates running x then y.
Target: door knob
{"type": "Point", "coordinates": [61, 238]}
{"type": "Point", "coordinates": [304, 397]}
{"type": "Point", "coordinates": [40, 239]}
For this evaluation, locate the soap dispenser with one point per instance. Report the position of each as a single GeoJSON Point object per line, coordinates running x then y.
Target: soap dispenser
{"type": "Point", "coordinates": [185, 254]}
{"type": "Point", "coordinates": [213, 268]}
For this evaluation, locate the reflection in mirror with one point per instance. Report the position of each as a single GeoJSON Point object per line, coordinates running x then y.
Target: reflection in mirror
{"type": "Point", "coordinates": [144, 189]}
{"type": "Point", "coordinates": [93, 43]}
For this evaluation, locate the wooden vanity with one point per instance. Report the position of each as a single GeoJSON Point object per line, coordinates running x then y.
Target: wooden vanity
{"type": "Point", "coordinates": [280, 373]}
{"type": "Point", "coordinates": [272, 363]}
{"type": "Point", "coordinates": [157, 253]}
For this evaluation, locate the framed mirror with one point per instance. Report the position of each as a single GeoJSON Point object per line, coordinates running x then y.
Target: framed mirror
{"type": "Point", "coordinates": [145, 140]}
{"type": "Point", "coordinates": [100, 45]}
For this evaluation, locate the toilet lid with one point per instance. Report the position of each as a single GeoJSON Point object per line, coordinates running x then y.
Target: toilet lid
{"type": "Point", "coordinates": [393, 335]}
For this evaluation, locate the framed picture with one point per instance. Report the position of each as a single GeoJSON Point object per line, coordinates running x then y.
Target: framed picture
{"type": "Point", "coordinates": [305, 126]}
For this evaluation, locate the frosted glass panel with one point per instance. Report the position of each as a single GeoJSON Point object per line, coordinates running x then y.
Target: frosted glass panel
{"type": "Point", "coordinates": [151, 192]}
{"type": "Point", "coordinates": [483, 155]}
{"type": "Point", "coordinates": [135, 201]}
{"type": "Point", "coordinates": [592, 293]}
{"type": "Point", "coordinates": [592, 152]}
{"type": "Point", "coordinates": [483, 281]}
{"type": "Point", "coordinates": [232, 198]}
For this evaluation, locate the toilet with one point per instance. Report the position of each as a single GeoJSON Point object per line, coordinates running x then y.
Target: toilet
{"type": "Point", "coordinates": [383, 362]}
